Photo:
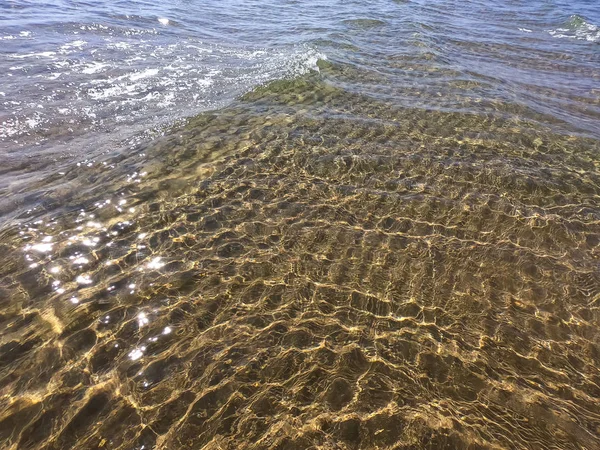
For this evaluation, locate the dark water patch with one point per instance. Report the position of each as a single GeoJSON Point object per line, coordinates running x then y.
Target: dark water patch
{"type": "Point", "coordinates": [363, 24]}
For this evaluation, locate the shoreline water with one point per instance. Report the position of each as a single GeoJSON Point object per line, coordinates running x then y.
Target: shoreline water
{"type": "Point", "coordinates": [399, 250]}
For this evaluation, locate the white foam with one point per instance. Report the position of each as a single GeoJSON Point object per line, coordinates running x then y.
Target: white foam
{"type": "Point", "coordinates": [581, 30]}
{"type": "Point", "coordinates": [119, 45]}
{"type": "Point", "coordinates": [93, 67]}
{"type": "Point", "coordinates": [137, 82]}
{"type": "Point", "coordinates": [114, 91]}
{"type": "Point", "coordinates": [32, 55]}
{"type": "Point", "coordinates": [143, 74]}
{"type": "Point", "coordinates": [72, 45]}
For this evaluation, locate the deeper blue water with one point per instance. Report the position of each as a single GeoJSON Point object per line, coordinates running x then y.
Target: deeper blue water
{"type": "Point", "coordinates": [300, 224]}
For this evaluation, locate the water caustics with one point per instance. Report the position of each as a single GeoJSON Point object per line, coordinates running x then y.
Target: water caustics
{"type": "Point", "coordinates": [386, 236]}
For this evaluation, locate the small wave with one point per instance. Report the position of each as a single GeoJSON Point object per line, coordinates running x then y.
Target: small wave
{"type": "Point", "coordinates": [94, 67]}
{"type": "Point", "coordinates": [22, 34]}
{"type": "Point", "coordinates": [70, 46]}
{"type": "Point", "coordinates": [48, 54]}
{"type": "Point", "coordinates": [577, 28]}
{"type": "Point", "coordinates": [138, 84]}
{"type": "Point", "coordinates": [363, 24]}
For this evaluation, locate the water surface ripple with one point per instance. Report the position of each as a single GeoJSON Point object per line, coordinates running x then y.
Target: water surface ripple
{"type": "Point", "coordinates": [300, 225]}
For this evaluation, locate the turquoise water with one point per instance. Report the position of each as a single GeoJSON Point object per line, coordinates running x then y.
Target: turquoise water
{"type": "Point", "coordinates": [299, 225]}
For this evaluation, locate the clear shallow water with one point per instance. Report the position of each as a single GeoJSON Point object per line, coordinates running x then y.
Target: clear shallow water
{"type": "Point", "coordinates": [78, 79]}
{"type": "Point", "coordinates": [386, 235]}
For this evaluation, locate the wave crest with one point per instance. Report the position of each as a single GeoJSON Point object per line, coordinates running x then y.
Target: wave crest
{"type": "Point", "coordinates": [577, 27]}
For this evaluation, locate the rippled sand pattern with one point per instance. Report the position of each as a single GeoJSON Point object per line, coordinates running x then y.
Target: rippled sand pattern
{"type": "Point", "coordinates": [313, 269]}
